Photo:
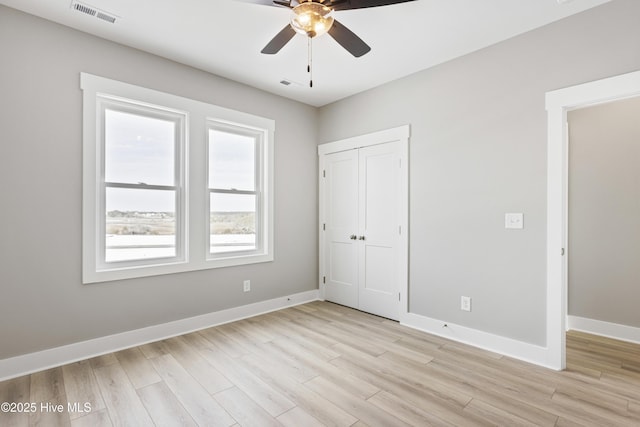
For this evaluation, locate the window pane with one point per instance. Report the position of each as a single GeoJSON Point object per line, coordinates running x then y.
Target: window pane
{"type": "Point", "coordinates": [139, 149]}
{"type": "Point", "coordinates": [140, 224]}
{"type": "Point", "coordinates": [232, 222]}
{"type": "Point", "coordinates": [231, 161]}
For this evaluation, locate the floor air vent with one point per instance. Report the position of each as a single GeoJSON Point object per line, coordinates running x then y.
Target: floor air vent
{"type": "Point", "coordinates": [92, 11]}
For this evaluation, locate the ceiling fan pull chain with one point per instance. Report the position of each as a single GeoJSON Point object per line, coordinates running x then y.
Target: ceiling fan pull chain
{"type": "Point", "coordinates": [309, 60]}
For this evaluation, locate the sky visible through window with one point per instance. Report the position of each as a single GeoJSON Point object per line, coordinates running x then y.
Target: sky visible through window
{"type": "Point", "coordinates": [142, 149]}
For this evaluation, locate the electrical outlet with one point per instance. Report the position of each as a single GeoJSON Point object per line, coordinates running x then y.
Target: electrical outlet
{"type": "Point", "coordinates": [514, 220]}
{"type": "Point", "coordinates": [247, 285]}
{"type": "Point", "coordinates": [465, 303]}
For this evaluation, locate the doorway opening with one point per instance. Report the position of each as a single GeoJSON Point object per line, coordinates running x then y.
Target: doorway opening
{"type": "Point", "coordinates": [558, 103]}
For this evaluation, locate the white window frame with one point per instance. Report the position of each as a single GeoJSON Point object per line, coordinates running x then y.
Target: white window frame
{"type": "Point", "coordinates": [259, 137]}
{"type": "Point", "coordinates": [193, 223]}
{"type": "Point", "coordinates": [179, 118]}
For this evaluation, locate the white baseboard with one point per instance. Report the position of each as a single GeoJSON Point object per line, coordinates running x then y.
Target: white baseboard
{"type": "Point", "coordinates": [45, 359]}
{"type": "Point", "coordinates": [605, 329]}
{"type": "Point", "coordinates": [530, 353]}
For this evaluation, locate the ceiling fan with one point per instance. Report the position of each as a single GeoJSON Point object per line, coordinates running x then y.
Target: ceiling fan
{"type": "Point", "coordinates": [315, 17]}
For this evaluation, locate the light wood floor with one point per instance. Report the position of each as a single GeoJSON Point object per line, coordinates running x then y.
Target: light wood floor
{"type": "Point", "coordinates": [323, 364]}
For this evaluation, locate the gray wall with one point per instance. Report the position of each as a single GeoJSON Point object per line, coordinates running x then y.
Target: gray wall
{"type": "Point", "coordinates": [478, 150]}
{"type": "Point", "coordinates": [43, 303]}
{"type": "Point", "coordinates": [604, 212]}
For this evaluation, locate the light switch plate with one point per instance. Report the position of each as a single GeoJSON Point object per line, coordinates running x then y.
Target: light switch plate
{"type": "Point", "coordinates": [465, 303]}
{"type": "Point", "coordinates": [514, 220]}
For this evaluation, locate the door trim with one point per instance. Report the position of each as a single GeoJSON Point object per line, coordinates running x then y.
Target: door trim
{"type": "Point", "coordinates": [380, 137]}
{"type": "Point", "coordinates": [401, 134]}
{"type": "Point", "coordinates": [558, 103]}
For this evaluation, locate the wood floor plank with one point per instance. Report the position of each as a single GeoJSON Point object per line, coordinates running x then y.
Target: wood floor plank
{"type": "Point", "coordinates": [81, 387]}
{"type": "Point", "coordinates": [372, 348]}
{"type": "Point", "coordinates": [368, 342]}
{"type": "Point", "coordinates": [441, 405]}
{"type": "Point", "coordinates": [422, 346]}
{"type": "Point", "coordinates": [104, 360]}
{"type": "Point", "coordinates": [405, 375]}
{"type": "Point", "coordinates": [405, 356]}
{"type": "Point", "coordinates": [603, 400]}
{"type": "Point", "coordinates": [354, 385]}
{"type": "Point", "coordinates": [192, 361]}
{"type": "Point", "coordinates": [318, 337]}
{"type": "Point", "coordinates": [163, 406]}
{"type": "Point", "coordinates": [47, 391]}
{"type": "Point", "coordinates": [274, 402]}
{"type": "Point", "coordinates": [12, 392]}
{"type": "Point", "coordinates": [606, 385]}
{"type": "Point", "coordinates": [137, 367]}
{"type": "Point", "coordinates": [226, 342]}
{"type": "Point", "coordinates": [313, 403]}
{"type": "Point", "coordinates": [359, 408]}
{"type": "Point", "coordinates": [120, 398]}
{"type": "Point", "coordinates": [541, 407]}
{"type": "Point", "coordinates": [563, 422]}
{"type": "Point", "coordinates": [154, 349]}
{"type": "Point", "coordinates": [293, 367]}
{"type": "Point", "coordinates": [200, 405]}
{"type": "Point", "coordinates": [244, 409]}
{"type": "Point", "coordinates": [507, 395]}
{"type": "Point", "coordinates": [480, 379]}
{"type": "Point", "coordinates": [584, 370]}
{"type": "Point", "coordinates": [285, 328]}
{"type": "Point", "coordinates": [495, 370]}
{"type": "Point", "coordinates": [365, 327]}
{"type": "Point", "coordinates": [496, 416]}
{"type": "Point", "coordinates": [94, 419]}
{"type": "Point", "coordinates": [582, 411]}
{"type": "Point", "coordinates": [297, 417]}
{"type": "Point", "coordinates": [260, 328]}
{"type": "Point", "coordinates": [407, 412]}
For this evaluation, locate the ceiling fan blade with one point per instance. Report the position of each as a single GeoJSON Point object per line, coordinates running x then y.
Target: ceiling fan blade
{"type": "Point", "coordinates": [361, 4]}
{"type": "Point", "coordinates": [285, 3]}
{"type": "Point", "coordinates": [262, 2]}
{"type": "Point", "coordinates": [278, 42]}
{"type": "Point", "coordinates": [348, 40]}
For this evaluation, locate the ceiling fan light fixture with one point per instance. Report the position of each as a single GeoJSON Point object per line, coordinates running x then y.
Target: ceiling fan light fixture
{"type": "Point", "coordinates": [311, 19]}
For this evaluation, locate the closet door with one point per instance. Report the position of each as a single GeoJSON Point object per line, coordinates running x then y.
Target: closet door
{"type": "Point", "coordinates": [363, 235]}
{"type": "Point", "coordinates": [379, 233]}
{"type": "Point", "coordinates": [341, 227]}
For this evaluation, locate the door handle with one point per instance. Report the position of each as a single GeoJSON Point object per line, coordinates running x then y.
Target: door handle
{"type": "Point", "coordinates": [353, 237]}
{"type": "Point", "coordinates": [361, 238]}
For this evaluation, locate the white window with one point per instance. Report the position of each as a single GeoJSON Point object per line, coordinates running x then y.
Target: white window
{"type": "Point", "coordinates": [142, 165]}
{"type": "Point", "coordinates": [171, 184]}
{"type": "Point", "coordinates": [235, 190]}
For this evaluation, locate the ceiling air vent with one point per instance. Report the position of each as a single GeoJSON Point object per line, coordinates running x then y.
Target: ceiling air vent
{"type": "Point", "coordinates": [85, 9]}
{"type": "Point", "coordinates": [106, 17]}
{"type": "Point", "coordinates": [93, 11]}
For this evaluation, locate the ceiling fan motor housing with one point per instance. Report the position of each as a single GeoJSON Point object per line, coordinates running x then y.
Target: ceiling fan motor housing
{"type": "Point", "coordinates": [311, 18]}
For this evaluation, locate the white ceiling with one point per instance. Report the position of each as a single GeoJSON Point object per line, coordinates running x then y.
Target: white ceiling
{"type": "Point", "coordinates": [225, 37]}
